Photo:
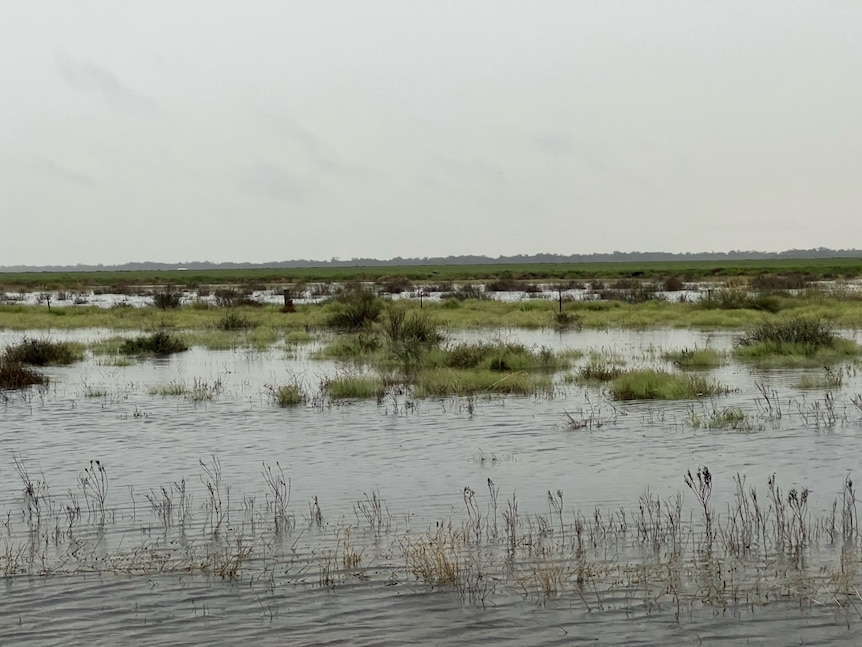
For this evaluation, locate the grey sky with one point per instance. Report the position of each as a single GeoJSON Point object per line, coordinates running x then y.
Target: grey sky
{"type": "Point", "coordinates": [237, 131]}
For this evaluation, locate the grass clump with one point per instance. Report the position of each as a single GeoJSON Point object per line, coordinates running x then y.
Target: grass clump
{"type": "Point", "coordinates": [694, 358]}
{"type": "Point", "coordinates": [159, 343]}
{"type": "Point", "coordinates": [650, 384]}
{"type": "Point", "coordinates": [287, 395]}
{"type": "Point", "coordinates": [800, 341]}
{"type": "Point", "coordinates": [15, 375]}
{"type": "Point", "coordinates": [598, 370]}
{"type": "Point", "coordinates": [353, 387]}
{"type": "Point", "coordinates": [44, 352]}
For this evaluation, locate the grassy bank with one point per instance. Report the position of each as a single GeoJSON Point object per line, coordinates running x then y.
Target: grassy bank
{"type": "Point", "coordinates": [839, 311]}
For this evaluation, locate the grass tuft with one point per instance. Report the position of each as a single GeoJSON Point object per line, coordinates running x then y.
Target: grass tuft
{"type": "Point", "coordinates": [649, 384]}
{"type": "Point", "coordinates": [44, 352]}
{"type": "Point", "coordinates": [159, 343]}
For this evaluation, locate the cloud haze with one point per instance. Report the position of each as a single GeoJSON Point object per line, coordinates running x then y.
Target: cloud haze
{"type": "Point", "coordinates": [173, 131]}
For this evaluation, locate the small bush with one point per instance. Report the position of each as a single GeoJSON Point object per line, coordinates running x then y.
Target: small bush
{"type": "Point", "coordinates": [694, 358]}
{"type": "Point", "coordinates": [798, 330]}
{"type": "Point", "coordinates": [43, 352]}
{"type": "Point", "coordinates": [673, 284]}
{"type": "Point", "coordinates": [15, 375]}
{"type": "Point", "coordinates": [159, 343]}
{"type": "Point", "coordinates": [356, 309]}
{"type": "Point", "coordinates": [566, 320]}
{"type": "Point", "coordinates": [233, 298]}
{"type": "Point", "coordinates": [287, 395]}
{"type": "Point", "coordinates": [739, 299]}
{"type": "Point", "coordinates": [166, 300]}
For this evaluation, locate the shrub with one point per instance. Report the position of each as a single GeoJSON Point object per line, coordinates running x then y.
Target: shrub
{"type": "Point", "coordinates": [234, 321]}
{"type": "Point", "coordinates": [356, 309]}
{"type": "Point", "coordinates": [232, 298]}
{"type": "Point", "coordinates": [42, 352]}
{"type": "Point", "coordinates": [15, 375]}
{"type": "Point", "coordinates": [798, 330]}
{"type": "Point", "coordinates": [159, 343]}
{"type": "Point", "coordinates": [287, 395]}
{"type": "Point", "coordinates": [673, 284]}
{"type": "Point", "coordinates": [166, 300]}
{"type": "Point", "coordinates": [659, 385]}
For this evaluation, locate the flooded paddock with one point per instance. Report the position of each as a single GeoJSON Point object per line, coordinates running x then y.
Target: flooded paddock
{"type": "Point", "coordinates": [139, 518]}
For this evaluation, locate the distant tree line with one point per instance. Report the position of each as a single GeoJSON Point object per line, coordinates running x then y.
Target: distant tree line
{"type": "Point", "coordinates": [635, 257]}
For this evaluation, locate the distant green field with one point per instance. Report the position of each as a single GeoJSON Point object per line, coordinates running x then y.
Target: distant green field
{"type": "Point", "coordinates": [821, 268]}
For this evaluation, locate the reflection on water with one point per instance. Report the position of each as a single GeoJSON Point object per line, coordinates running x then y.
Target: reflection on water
{"type": "Point", "coordinates": [385, 527]}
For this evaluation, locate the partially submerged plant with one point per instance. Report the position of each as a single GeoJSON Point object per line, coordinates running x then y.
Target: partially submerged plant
{"type": "Point", "coordinates": [15, 375]}
{"type": "Point", "coordinates": [650, 384]}
{"type": "Point", "coordinates": [160, 342]}
{"type": "Point", "coordinates": [43, 352]}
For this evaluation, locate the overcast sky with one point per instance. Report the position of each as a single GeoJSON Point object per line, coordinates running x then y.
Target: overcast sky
{"type": "Point", "coordinates": [256, 131]}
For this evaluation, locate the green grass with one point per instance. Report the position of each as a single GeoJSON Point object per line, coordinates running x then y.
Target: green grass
{"type": "Point", "coordinates": [649, 384]}
{"type": "Point", "coordinates": [694, 358]}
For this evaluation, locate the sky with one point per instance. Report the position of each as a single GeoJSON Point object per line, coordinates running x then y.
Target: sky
{"type": "Point", "coordinates": [184, 130]}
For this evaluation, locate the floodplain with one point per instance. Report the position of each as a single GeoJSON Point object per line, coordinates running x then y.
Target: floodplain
{"type": "Point", "coordinates": [385, 470]}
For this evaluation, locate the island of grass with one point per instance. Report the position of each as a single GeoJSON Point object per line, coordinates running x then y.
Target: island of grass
{"type": "Point", "coordinates": [794, 342]}
{"type": "Point", "coordinates": [650, 384]}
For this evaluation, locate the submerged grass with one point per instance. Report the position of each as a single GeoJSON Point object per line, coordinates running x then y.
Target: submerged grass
{"type": "Point", "coordinates": [650, 384]}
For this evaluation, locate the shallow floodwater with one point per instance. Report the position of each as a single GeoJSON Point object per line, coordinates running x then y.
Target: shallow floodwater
{"type": "Point", "coordinates": [388, 478]}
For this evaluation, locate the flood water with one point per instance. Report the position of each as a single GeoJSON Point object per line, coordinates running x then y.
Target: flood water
{"type": "Point", "coordinates": [387, 497]}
